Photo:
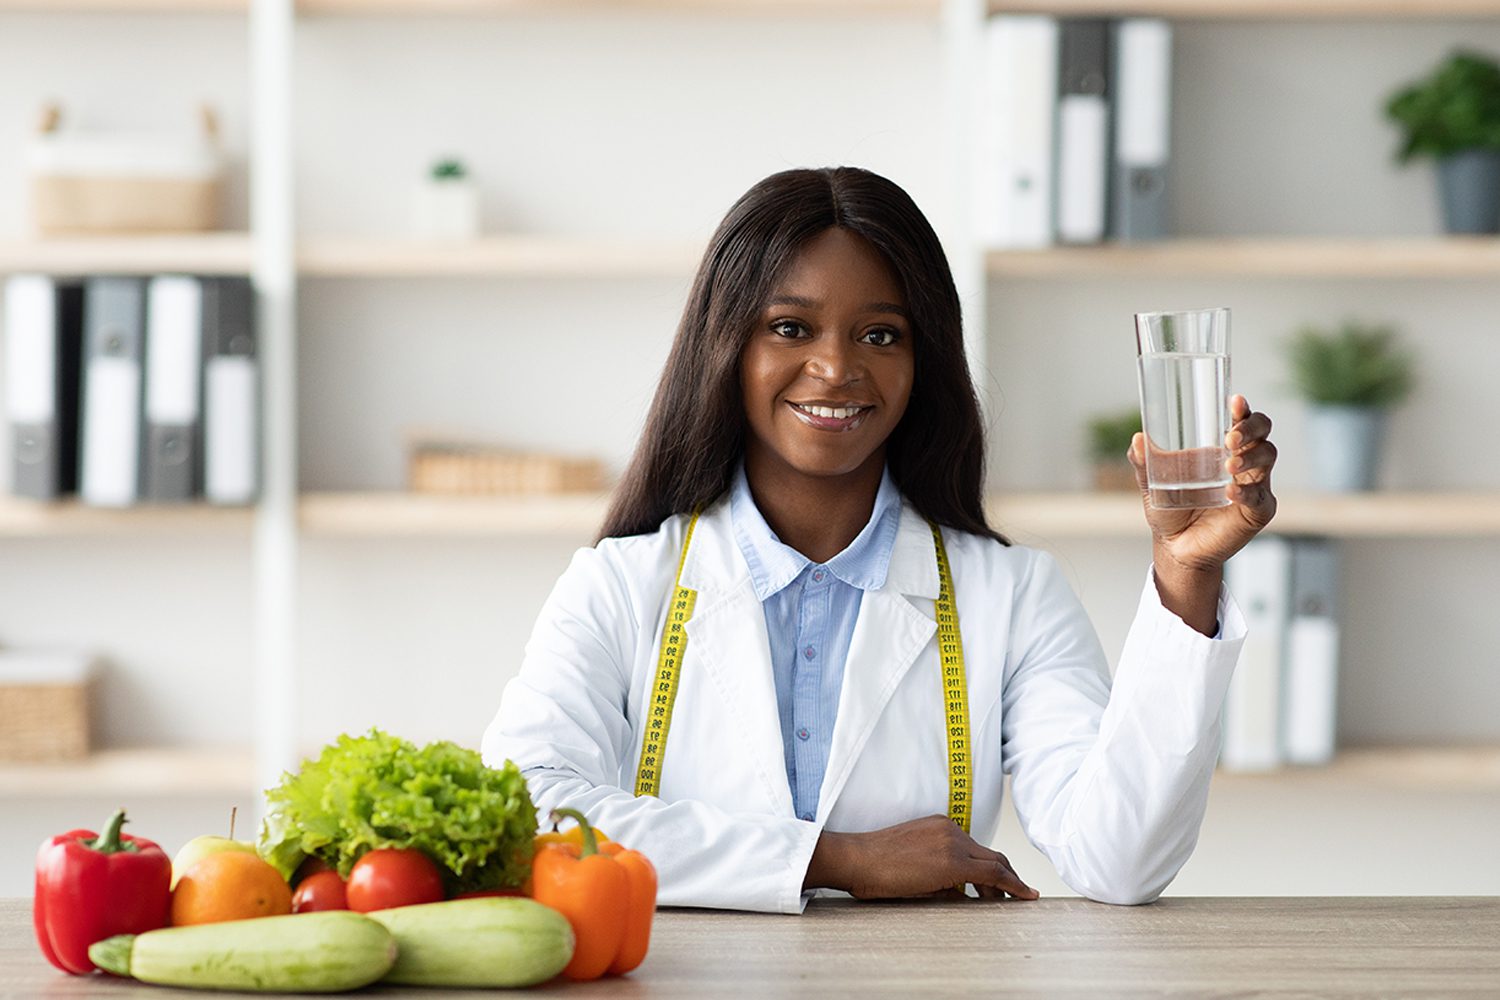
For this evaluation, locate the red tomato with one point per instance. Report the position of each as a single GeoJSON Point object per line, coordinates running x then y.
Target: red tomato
{"type": "Point", "coordinates": [320, 891]}
{"type": "Point", "coordinates": [393, 877]}
{"type": "Point", "coordinates": [310, 865]}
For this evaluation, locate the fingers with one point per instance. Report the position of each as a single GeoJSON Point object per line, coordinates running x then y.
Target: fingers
{"type": "Point", "coordinates": [993, 870]}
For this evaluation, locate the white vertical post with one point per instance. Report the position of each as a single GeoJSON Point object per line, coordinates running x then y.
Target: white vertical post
{"type": "Point", "coordinates": [272, 226]}
{"type": "Point", "coordinates": [963, 69]}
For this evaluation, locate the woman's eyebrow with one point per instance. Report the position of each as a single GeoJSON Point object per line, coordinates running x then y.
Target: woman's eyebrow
{"type": "Point", "coordinates": [802, 302]}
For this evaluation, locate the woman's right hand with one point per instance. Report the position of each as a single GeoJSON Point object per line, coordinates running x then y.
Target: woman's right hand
{"type": "Point", "coordinates": [923, 857]}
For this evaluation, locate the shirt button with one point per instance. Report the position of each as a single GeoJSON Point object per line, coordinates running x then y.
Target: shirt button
{"type": "Point", "coordinates": [809, 652]}
{"type": "Point", "coordinates": [803, 734]}
{"type": "Point", "coordinates": [818, 575]}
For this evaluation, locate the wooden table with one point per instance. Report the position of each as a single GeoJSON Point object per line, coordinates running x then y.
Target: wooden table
{"type": "Point", "coordinates": [1189, 947]}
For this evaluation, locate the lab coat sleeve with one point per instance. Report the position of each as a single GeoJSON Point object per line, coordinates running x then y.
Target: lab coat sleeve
{"type": "Point", "coordinates": [1112, 785]}
{"type": "Point", "coordinates": [563, 721]}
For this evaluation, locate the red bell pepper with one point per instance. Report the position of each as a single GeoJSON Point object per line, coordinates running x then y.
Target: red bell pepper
{"type": "Point", "coordinates": [90, 887]}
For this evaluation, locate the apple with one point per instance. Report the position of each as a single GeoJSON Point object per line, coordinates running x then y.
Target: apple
{"type": "Point", "coordinates": [199, 848]}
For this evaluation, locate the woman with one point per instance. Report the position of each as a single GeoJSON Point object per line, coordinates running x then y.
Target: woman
{"type": "Point", "coordinates": [804, 510]}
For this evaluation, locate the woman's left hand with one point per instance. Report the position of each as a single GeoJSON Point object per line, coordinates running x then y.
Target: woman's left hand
{"type": "Point", "coordinates": [1203, 539]}
{"type": "Point", "coordinates": [1190, 546]}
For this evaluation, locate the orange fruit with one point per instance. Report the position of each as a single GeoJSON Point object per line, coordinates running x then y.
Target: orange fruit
{"type": "Point", "coordinates": [229, 885]}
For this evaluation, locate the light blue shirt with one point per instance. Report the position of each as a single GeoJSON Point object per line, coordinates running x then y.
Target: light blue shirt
{"type": "Point", "coordinates": [810, 612]}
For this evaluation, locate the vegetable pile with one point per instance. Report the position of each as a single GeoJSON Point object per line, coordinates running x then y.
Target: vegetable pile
{"type": "Point", "coordinates": [376, 791]}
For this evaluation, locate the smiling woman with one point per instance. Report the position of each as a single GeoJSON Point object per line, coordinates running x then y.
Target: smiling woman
{"type": "Point", "coordinates": [799, 659]}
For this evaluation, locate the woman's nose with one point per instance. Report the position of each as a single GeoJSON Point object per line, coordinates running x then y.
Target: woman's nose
{"type": "Point", "coordinates": [834, 360]}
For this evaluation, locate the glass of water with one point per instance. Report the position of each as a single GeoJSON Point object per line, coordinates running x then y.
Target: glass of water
{"type": "Point", "coordinates": [1183, 365]}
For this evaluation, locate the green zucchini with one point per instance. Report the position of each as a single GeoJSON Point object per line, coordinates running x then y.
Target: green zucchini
{"type": "Point", "coordinates": [324, 952]}
{"type": "Point", "coordinates": [491, 941]}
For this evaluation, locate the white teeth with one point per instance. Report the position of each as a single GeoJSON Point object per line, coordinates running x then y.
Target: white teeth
{"type": "Point", "coordinates": [835, 412]}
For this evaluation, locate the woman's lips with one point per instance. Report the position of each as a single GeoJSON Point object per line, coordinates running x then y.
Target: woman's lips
{"type": "Point", "coordinates": [830, 423]}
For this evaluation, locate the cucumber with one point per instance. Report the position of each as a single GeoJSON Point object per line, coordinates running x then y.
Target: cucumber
{"type": "Point", "coordinates": [491, 941]}
{"type": "Point", "coordinates": [324, 952]}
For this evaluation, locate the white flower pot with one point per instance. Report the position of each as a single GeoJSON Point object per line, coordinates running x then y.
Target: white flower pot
{"type": "Point", "coordinates": [447, 209]}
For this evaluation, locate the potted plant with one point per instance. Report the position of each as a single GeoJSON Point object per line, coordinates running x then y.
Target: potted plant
{"type": "Point", "coordinates": [447, 203]}
{"type": "Point", "coordinates": [1109, 436]}
{"type": "Point", "coordinates": [1454, 117]}
{"type": "Point", "coordinates": [1351, 377]}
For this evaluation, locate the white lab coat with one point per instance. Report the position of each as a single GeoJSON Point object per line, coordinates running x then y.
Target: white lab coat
{"type": "Point", "coordinates": [1110, 786]}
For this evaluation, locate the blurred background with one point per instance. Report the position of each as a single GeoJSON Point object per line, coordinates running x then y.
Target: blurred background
{"type": "Point", "coordinates": [496, 210]}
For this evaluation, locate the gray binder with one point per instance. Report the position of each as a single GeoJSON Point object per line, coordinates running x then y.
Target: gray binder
{"type": "Point", "coordinates": [114, 321]}
{"type": "Point", "coordinates": [43, 346]}
{"type": "Point", "coordinates": [231, 392]}
{"type": "Point", "coordinates": [1142, 90]}
{"type": "Point", "coordinates": [174, 377]}
{"type": "Point", "coordinates": [1083, 131]}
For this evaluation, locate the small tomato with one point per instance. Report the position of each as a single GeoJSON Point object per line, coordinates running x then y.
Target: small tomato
{"type": "Point", "coordinates": [390, 877]}
{"type": "Point", "coordinates": [320, 891]}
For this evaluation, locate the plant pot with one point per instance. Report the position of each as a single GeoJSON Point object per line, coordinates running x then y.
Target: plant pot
{"type": "Point", "coordinates": [1343, 446]}
{"type": "Point", "coordinates": [1469, 184]}
{"type": "Point", "coordinates": [447, 209]}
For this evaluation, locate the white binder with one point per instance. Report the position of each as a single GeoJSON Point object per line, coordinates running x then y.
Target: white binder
{"type": "Point", "coordinates": [43, 343]}
{"type": "Point", "coordinates": [1260, 577]}
{"type": "Point", "coordinates": [1013, 189]}
{"type": "Point", "coordinates": [114, 331]}
{"type": "Point", "coordinates": [1311, 681]}
{"type": "Point", "coordinates": [231, 393]}
{"type": "Point", "coordinates": [1143, 104]}
{"type": "Point", "coordinates": [1083, 152]}
{"type": "Point", "coordinates": [174, 340]}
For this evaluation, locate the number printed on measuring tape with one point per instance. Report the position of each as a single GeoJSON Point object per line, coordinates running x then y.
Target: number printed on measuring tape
{"type": "Point", "coordinates": [955, 688]}
{"type": "Point", "coordinates": [668, 664]}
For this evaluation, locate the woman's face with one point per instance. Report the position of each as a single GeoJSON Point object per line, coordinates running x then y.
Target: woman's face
{"type": "Point", "coordinates": [827, 371]}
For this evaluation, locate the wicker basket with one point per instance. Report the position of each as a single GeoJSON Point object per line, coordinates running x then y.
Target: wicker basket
{"type": "Point", "coordinates": [489, 470]}
{"type": "Point", "coordinates": [83, 182]}
{"type": "Point", "coordinates": [44, 705]}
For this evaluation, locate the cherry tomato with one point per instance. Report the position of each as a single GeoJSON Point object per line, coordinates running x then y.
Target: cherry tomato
{"type": "Point", "coordinates": [320, 891]}
{"type": "Point", "coordinates": [393, 877]}
{"type": "Point", "coordinates": [309, 866]}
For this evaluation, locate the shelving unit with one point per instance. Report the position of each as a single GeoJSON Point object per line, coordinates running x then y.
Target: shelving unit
{"type": "Point", "coordinates": [133, 773]}
{"type": "Point", "coordinates": [278, 258]}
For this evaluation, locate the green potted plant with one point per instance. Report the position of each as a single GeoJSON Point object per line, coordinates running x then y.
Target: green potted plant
{"type": "Point", "coordinates": [1109, 436]}
{"type": "Point", "coordinates": [447, 202]}
{"type": "Point", "coordinates": [1453, 116]}
{"type": "Point", "coordinates": [1351, 377]}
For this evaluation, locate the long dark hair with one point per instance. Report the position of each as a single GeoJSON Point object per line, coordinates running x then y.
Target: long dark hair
{"type": "Point", "coordinates": [695, 431]}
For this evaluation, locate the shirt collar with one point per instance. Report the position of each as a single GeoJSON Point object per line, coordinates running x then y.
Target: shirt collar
{"type": "Point", "coordinates": [773, 564]}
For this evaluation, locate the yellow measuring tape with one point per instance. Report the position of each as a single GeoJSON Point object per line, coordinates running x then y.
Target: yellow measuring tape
{"type": "Point", "coordinates": [951, 655]}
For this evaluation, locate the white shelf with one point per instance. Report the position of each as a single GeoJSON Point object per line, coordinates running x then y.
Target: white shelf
{"type": "Point", "coordinates": [1436, 257]}
{"type": "Point", "coordinates": [518, 255]}
{"type": "Point", "coordinates": [205, 253]}
{"type": "Point", "coordinates": [780, 8]}
{"type": "Point", "coordinates": [127, 6]}
{"type": "Point", "coordinates": [1261, 10]}
{"type": "Point", "coordinates": [133, 773]}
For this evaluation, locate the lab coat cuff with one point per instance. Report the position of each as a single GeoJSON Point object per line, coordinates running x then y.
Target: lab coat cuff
{"type": "Point", "coordinates": [1231, 621]}
{"type": "Point", "coordinates": [795, 898]}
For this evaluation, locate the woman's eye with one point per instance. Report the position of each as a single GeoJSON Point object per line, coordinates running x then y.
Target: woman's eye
{"type": "Point", "coordinates": [882, 337]}
{"type": "Point", "coordinates": [786, 328]}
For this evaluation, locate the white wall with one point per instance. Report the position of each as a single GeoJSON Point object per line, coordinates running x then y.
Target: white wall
{"type": "Point", "coordinates": [651, 124]}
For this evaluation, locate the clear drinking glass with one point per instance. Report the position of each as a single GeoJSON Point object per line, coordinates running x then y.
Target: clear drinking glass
{"type": "Point", "coordinates": [1183, 366]}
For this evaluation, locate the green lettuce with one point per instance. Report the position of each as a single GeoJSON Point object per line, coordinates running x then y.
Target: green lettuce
{"type": "Point", "coordinates": [378, 790]}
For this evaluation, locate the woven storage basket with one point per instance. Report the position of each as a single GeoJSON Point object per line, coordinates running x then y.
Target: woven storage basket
{"type": "Point", "coordinates": [44, 706]}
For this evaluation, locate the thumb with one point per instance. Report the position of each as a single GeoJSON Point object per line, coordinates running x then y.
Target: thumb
{"type": "Point", "coordinates": [1137, 455]}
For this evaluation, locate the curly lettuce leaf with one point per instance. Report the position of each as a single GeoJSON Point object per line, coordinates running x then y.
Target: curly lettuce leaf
{"type": "Point", "coordinates": [378, 790]}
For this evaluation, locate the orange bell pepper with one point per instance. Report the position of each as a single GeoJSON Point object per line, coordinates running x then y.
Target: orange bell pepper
{"type": "Point", "coordinates": [608, 894]}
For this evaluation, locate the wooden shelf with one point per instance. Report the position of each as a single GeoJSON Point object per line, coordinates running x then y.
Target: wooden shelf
{"type": "Point", "coordinates": [206, 253]}
{"type": "Point", "coordinates": [1436, 257]}
{"type": "Point", "coordinates": [1418, 768]}
{"type": "Point", "coordinates": [21, 518]}
{"type": "Point", "coordinates": [501, 7]}
{"type": "Point", "coordinates": [428, 515]}
{"type": "Point", "coordinates": [1259, 10]}
{"type": "Point", "coordinates": [1028, 516]}
{"type": "Point", "coordinates": [127, 6]}
{"type": "Point", "coordinates": [133, 773]}
{"type": "Point", "coordinates": [494, 256]}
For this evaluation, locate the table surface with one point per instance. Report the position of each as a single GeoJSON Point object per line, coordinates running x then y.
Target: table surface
{"type": "Point", "coordinates": [1439, 946]}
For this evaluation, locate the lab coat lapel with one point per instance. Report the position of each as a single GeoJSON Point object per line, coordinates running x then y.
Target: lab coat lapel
{"type": "Point", "coordinates": [889, 635]}
{"type": "Point", "coordinates": [727, 640]}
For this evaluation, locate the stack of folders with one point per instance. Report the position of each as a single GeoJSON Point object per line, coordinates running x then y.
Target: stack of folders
{"type": "Point", "coordinates": [1074, 131]}
{"type": "Point", "coordinates": [132, 390]}
{"type": "Point", "coordinates": [1282, 702]}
